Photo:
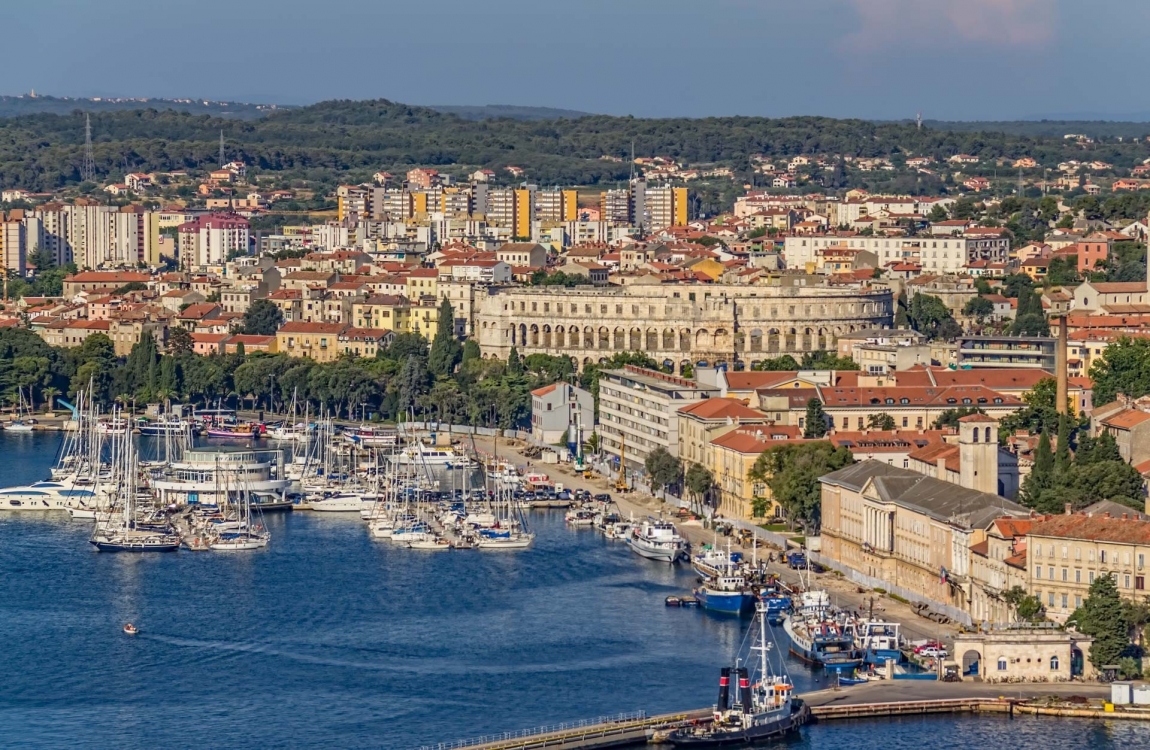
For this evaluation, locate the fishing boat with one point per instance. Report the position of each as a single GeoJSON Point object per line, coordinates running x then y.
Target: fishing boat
{"type": "Point", "coordinates": [657, 540]}
{"type": "Point", "coordinates": [878, 641]}
{"type": "Point", "coordinates": [762, 707]}
{"type": "Point", "coordinates": [580, 518]}
{"type": "Point", "coordinates": [713, 560]}
{"type": "Point", "coordinates": [842, 680]}
{"type": "Point", "coordinates": [726, 591]}
{"type": "Point", "coordinates": [820, 638]}
{"type": "Point", "coordinates": [777, 602]}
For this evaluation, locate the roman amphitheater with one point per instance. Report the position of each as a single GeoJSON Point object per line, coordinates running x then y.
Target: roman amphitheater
{"type": "Point", "coordinates": [676, 324]}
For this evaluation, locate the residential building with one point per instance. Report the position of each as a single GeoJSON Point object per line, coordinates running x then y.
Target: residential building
{"type": "Point", "coordinates": [318, 341]}
{"type": "Point", "coordinates": [730, 457]}
{"type": "Point", "coordinates": [1037, 352]}
{"type": "Point", "coordinates": [640, 406]}
{"type": "Point", "coordinates": [703, 420]}
{"type": "Point", "coordinates": [364, 342]}
{"type": "Point", "coordinates": [998, 565]}
{"type": "Point", "coordinates": [557, 410]}
{"type": "Point", "coordinates": [1066, 553]}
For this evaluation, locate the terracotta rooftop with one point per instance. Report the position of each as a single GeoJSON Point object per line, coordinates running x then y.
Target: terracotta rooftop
{"type": "Point", "coordinates": [1100, 528]}
{"type": "Point", "coordinates": [721, 408]}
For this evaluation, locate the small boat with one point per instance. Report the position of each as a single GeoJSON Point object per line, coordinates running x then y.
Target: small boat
{"type": "Point", "coordinates": [239, 432]}
{"type": "Point", "coordinates": [438, 544]}
{"type": "Point", "coordinates": [130, 629]}
{"type": "Point", "coordinates": [673, 601]}
{"type": "Point", "coordinates": [852, 680]}
{"type": "Point", "coordinates": [165, 427]}
{"type": "Point", "coordinates": [20, 425]}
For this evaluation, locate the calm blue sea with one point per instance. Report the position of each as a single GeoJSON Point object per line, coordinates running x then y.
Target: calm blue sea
{"type": "Point", "coordinates": [327, 639]}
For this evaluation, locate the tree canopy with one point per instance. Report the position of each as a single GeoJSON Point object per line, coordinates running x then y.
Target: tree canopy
{"type": "Point", "coordinates": [792, 472]}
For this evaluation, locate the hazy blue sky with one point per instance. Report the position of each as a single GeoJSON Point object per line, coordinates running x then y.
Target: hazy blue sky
{"type": "Point", "coordinates": [957, 59]}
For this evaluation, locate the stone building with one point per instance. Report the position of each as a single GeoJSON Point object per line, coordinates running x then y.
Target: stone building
{"type": "Point", "coordinates": [677, 324]}
{"type": "Point", "coordinates": [1023, 652]}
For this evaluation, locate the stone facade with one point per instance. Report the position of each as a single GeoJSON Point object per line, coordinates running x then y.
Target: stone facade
{"type": "Point", "coordinates": [677, 324]}
{"type": "Point", "coordinates": [1029, 654]}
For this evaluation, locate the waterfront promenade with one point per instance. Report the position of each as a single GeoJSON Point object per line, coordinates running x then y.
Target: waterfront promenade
{"type": "Point", "coordinates": [843, 593]}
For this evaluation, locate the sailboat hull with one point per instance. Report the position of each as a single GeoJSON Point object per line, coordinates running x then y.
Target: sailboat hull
{"type": "Point", "coordinates": [128, 546]}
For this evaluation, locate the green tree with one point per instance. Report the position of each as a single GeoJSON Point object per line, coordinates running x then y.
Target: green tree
{"type": "Point", "coordinates": [1041, 411]}
{"type": "Point", "coordinates": [514, 363]}
{"type": "Point", "coordinates": [778, 364]}
{"type": "Point", "coordinates": [1027, 608]}
{"type": "Point", "coordinates": [880, 421]}
{"type": "Point", "coordinates": [1062, 448]}
{"type": "Point", "coordinates": [1041, 477]}
{"type": "Point", "coordinates": [792, 472]}
{"type": "Point", "coordinates": [262, 318]}
{"type": "Point", "coordinates": [1102, 616]}
{"type": "Point", "coordinates": [822, 360]}
{"type": "Point", "coordinates": [664, 469]}
{"type": "Point", "coordinates": [446, 351]}
{"type": "Point", "coordinates": [979, 308]}
{"type": "Point", "coordinates": [816, 420]}
{"type": "Point", "coordinates": [1062, 271]}
{"type": "Point", "coordinates": [929, 316]}
{"type": "Point", "coordinates": [1124, 367]}
{"type": "Point", "coordinates": [699, 482]}
{"type": "Point", "coordinates": [180, 341]}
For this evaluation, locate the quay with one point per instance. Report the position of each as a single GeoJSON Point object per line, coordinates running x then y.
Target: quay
{"type": "Point", "coordinates": [869, 701]}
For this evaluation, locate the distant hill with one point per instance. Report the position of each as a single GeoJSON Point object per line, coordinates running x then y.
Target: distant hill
{"type": "Point", "coordinates": [1046, 128]}
{"type": "Point", "coordinates": [508, 112]}
{"type": "Point", "coordinates": [26, 104]}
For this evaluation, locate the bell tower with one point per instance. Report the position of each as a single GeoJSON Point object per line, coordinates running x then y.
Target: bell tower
{"type": "Point", "coordinates": [978, 453]}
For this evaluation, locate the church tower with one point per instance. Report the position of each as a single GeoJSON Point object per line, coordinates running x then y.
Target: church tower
{"type": "Point", "coordinates": [978, 453]}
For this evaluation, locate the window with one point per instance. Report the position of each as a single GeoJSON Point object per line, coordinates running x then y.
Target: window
{"type": "Point", "coordinates": [1078, 576]}
{"type": "Point", "coordinates": [1126, 581]}
{"type": "Point", "coordinates": [1054, 664]}
{"type": "Point", "coordinates": [1092, 576]}
{"type": "Point", "coordinates": [1077, 602]}
{"type": "Point", "coordinates": [1064, 574]}
{"type": "Point", "coordinates": [1038, 571]}
{"type": "Point", "coordinates": [1102, 556]}
{"type": "Point", "coordinates": [1050, 599]}
{"type": "Point", "coordinates": [1064, 602]}
{"type": "Point", "coordinates": [1051, 573]}
{"type": "Point", "coordinates": [1140, 582]}
{"type": "Point", "coordinates": [1002, 665]}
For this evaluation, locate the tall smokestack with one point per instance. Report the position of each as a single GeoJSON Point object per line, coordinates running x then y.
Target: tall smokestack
{"type": "Point", "coordinates": [1061, 364]}
{"type": "Point", "coordinates": [745, 690]}
{"type": "Point", "coordinates": [724, 689]}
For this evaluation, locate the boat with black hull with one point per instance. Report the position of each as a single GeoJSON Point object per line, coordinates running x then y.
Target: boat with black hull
{"type": "Point", "coordinates": [763, 706]}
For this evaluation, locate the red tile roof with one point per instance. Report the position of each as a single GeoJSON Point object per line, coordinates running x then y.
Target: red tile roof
{"type": "Point", "coordinates": [1101, 528]}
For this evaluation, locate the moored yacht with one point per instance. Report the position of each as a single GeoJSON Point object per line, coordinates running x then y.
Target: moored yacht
{"type": "Point", "coordinates": [657, 540]}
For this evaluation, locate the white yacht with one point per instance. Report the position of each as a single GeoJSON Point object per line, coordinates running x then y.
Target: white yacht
{"type": "Point", "coordinates": [425, 455]}
{"type": "Point", "coordinates": [657, 540]}
{"type": "Point", "coordinates": [44, 496]}
{"type": "Point", "coordinates": [342, 502]}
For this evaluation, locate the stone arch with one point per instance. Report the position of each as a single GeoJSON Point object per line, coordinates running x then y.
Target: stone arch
{"type": "Point", "coordinates": [546, 337]}
{"type": "Point", "coordinates": [635, 340]}
{"type": "Point", "coordinates": [619, 339]}
{"type": "Point", "coordinates": [739, 341]}
{"type": "Point", "coordinates": [703, 339]}
{"type": "Point", "coordinates": [573, 337]}
{"type": "Point", "coordinates": [972, 664]}
{"type": "Point", "coordinates": [774, 341]}
{"type": "Point", "coordinates": [587, 361]}
{"type": "Point", "coordinates": [534, 335]}
{"type": "Point", "coordinates": [560, 342]}
{"type": "Point", "coordinates": [722, 339]}
{"type": "Point", "coordinates": [821, 343]}
{"type": "Point", "coordinates": [685, 340]}
{"type": "Point", "coordinates": [789, 339]}
{"type": "Point", "coordinates": [652, 340]}
{"type": "Point", "coordinates": [756, 339]}
{"type": "Point", "coordinates": [522, 334]}
{"type": "Point", "coordinates": [604, 337]}
{"type": "Point", "coordinates": [588, 338]}
{"type": "Point", "coordinates": [669, 339]}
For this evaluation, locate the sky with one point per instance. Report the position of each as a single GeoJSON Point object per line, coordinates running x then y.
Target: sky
{"type": "Point", "coordinates": [879, 59]}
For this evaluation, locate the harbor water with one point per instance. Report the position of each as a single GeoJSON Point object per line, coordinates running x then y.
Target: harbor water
{"type": "Point", "coordinates": [327, 638]}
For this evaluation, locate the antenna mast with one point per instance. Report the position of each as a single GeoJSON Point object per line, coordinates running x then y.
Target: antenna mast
{"type": "Point", "coordinates": [88, 168]}
{"type": "Point", "coordinates": [918, 120]}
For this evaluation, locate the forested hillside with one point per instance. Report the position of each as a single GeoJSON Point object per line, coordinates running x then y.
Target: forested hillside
{"type": "Point", "coordinates": [44, 152]}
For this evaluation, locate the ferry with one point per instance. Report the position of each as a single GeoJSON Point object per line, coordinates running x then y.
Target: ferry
{"type": "Point", "coordinates": [657, 540]}
{"type": "Point", "coordinates": [762, 707]}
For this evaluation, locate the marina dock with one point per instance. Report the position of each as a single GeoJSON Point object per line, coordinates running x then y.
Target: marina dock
{"type": "Point", "coordinates": [873, 700]}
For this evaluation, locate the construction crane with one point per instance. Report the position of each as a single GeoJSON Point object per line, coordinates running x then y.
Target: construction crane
{"type": "Point", "coordinates": [621, 482]}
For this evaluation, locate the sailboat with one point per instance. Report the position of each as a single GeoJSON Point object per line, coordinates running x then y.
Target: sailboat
{"type": "Point", "coordinates": [126, 532]}
{"type": "Point", "coordinates": [762, 707]}
{"type": "Point", "coordinates": [510, 529]}
{"type": "Point", "coordinates": [241, 534]}
{"type": "Point", "coordinates": [22, 423]}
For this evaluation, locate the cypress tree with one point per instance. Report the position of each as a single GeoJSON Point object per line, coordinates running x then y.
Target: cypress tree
{"type": "Point", "coordinates": [1041, 477]}
{"type": "Point", "coordinates": [1062, 452]}
{"type": "Point", "coordinates": [816, 422]}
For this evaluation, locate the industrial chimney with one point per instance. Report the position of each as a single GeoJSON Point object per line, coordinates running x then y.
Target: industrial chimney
{"type": "Point", "coordinates": [1061, 365]}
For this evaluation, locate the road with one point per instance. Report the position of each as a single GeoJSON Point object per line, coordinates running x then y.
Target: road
{"type": "Point", "coordinates": [890, 691]}
{"type": "Point", "coordinates": [844, 594]}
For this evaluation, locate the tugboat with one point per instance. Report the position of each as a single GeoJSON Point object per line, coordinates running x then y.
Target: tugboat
{"type": "Point", "coordinates": [757, 712]}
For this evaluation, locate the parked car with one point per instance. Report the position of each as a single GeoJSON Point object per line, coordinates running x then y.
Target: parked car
{"type": "Point", "coordinates": [796, 560]}
{"type": "Point", "coordinates": [603, 497]}
{"type": "Point", "coordinates": [932, 652]}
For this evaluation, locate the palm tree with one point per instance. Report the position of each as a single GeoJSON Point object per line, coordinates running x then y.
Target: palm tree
{"type": "Point", "coordinates": [51, 393]}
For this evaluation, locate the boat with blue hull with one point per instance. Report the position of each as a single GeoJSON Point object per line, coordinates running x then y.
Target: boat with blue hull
{"type": "Point", "coordinates": [878, 641]}
{"type": "Point", "coordinates": [726, 593]}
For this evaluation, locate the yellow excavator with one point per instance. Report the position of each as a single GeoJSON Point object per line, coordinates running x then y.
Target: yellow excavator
{"type": "Point", "coordinates": [621, 484]}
